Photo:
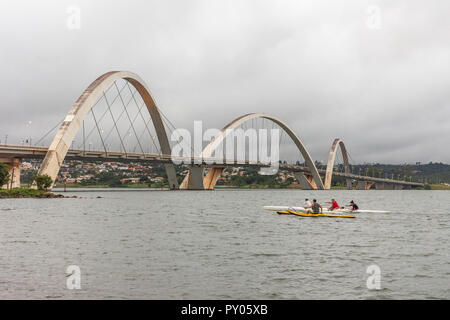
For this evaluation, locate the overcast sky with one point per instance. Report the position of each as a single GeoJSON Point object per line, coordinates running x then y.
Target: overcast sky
{"type": "Point", "coordinates": [374, 73]}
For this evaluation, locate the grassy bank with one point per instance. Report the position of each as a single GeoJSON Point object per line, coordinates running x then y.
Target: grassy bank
{"type": "Point", "coordinates": [439, 187]}
{"type": "Point", "coordinates": [77, 185]}
{"type": "Point", "coordinates": [27, 193]}
{"type": "Point", "coordinates": [31, 193]}
{"type": "Point", "coordinates": [105, 186]}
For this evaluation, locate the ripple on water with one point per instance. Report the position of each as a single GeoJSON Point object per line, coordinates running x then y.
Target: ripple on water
{"type": "Point", "coordinates": [222, 245]}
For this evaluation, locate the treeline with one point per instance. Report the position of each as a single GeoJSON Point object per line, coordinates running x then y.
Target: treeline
{"type": "Point", "coordinates": [114, 180]}
{"type": "Point", "coordinates": [251, 178]}
{"type": "Point", "coordinates": [430, 173]}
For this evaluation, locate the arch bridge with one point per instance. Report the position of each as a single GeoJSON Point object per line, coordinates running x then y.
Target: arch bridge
{"type": "Point", "coordinates": [61, 147]}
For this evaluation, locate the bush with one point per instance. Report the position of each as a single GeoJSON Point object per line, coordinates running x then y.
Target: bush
{"type": "Point", "coordinates": [4, 174]}
{"type": "Point", "coordinates": [27, 193]}
{"type": "Point", "coordinates": [115, 182]}
{"type": "Point", "coordinates": [43, 181]}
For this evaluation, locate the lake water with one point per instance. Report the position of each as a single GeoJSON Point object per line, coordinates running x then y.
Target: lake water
{"type": "Point", "coordinates": [222, 245]}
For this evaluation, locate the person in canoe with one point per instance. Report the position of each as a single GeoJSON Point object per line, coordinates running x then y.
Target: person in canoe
{"type": "Point", "coordinates": [334, 205]}
{"type": "Point", "coordinates": [316, 208]}
{"type": "Point", "coordinates": [307, 204]}
{"type": "Point", "coordinates": [353, 206]}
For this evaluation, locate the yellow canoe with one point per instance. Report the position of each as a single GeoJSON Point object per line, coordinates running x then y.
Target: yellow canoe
{"type": "Point", "coordinates": [302, 214]}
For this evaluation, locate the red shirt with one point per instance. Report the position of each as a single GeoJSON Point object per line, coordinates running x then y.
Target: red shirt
{"type": "Point", "coordinates": [335, 205]}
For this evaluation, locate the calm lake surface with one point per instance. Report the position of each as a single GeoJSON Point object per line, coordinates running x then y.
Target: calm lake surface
{"type": "Point", "coordinates": [222, 245]}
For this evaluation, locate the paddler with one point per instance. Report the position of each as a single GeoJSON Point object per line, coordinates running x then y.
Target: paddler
{"type": "Point", "coordinates": [316, 207]}
{"type": "Point", "coordinates": [353, 206]}
{"type": "Point", "coordinates": [307, 204]}
{"type": "Point", "coordinates": [334, 205]}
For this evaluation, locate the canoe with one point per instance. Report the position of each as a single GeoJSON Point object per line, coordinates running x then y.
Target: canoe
{"type": "Point", "coordinates": [302, 214]}
{"type": "Point", "coordinates": [302, 209]}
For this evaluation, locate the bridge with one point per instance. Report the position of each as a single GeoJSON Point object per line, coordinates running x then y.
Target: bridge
{"type": "Point", "coordinates": [99, 101]}
{"type": "Point", "coordinates": [355, 181]}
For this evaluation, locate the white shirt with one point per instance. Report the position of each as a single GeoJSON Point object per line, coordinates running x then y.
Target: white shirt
{"type": "Point", "coordinates": [307, 204]}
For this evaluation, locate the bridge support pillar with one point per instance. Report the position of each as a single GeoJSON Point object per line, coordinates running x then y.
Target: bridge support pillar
{"type": "Point", "coordinates": [211, 177]}
{"type": "Point", "coordinates": [14, 172]}
{"type": "Point", "coordinates": [363, 185]}
{"type": "Point", "coordinates": [194, 179]}
{"type": "Point", "coordinates": [380, 186]}
{"type": "Point", "coordinates": [387, 186]}
{"type": "Point", "coordinates": [171, 176]}
{"type": "Point", "coordinates": [306, 181]}
{"type": "Point", "coordinates": [349, 184]}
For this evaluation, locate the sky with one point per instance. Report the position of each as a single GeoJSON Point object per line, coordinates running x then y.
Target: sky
{"type": "Point", "coordinates": [374, 73]}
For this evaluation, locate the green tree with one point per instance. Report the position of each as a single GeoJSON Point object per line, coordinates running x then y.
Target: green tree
{"type": "Point", "coordinates": [115, 182]}
{"type": "Point", "coordinates": [4, 174]}
{"type": "Point", "coordinates": [43, 181]}
{"type": "Point", "coordinates": [143, 179]}
{"type": "Point", "coordinates": [28, 176]}
{"type": "Point", "coordinates": [374, 172]}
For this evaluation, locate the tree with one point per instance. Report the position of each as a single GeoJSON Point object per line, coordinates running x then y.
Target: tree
{"type": "Point", "coordinates": [143, 179]}
{"type": "Point", "coordinates": [27, 176]}
{"type": "Point", "coordinates": [289, 181]}
{"type": "Point", "coordinates": [4, 174]}
{"type": "Point", "coordinates": [43, 181]}
{"type": "Point", "coordinates": [374, 172]}
{"type": "Point", "coordinates": [115, 182]}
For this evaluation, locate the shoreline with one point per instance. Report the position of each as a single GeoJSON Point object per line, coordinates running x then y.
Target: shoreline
{"type": "Point", "coordinates": [22, 193]}
{"type": "Point", "coordinates": [26, 193]}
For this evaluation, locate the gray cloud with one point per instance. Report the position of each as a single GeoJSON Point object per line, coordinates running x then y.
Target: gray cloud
{"type": "Point", "coordinates": [314, 64]}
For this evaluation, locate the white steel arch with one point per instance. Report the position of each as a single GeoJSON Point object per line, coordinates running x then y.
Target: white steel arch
{"type": "Point", "coordinates": [197, 175]}
{"type": "Point", "coordinates": [330, 165]}
{"type": "Point", "coordinates": [71, 124]}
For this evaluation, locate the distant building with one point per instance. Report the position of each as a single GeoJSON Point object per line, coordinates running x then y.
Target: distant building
{"type": "Point", "coordinates": [26, 166]}
{"type": "Point", "coordinates": [132, 180]}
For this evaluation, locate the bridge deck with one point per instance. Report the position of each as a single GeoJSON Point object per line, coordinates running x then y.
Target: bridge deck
{"type": "Point", "coordinates": [353, 176]}
{"type": "Point", "coordinates": [34, 152]}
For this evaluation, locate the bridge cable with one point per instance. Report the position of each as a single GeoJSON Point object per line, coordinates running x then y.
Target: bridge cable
{"type": "Point", "coordinates": [98, 129]}
{"type": "Point", "coordinates": [118, 119]}
{"type": "Point", "coordinates": [352, 160]}
{"type": "Point", "coordinates": [115, 124]}
{"type": "Point", "coordinates": [106, 111]}
{"type": "Point", "coordinates": [121, 114]}
{"type": "Point", "coordinates": [142, 133]}
{"type": "Point", "coordinates": [169, 123]}
{"type": "Point", "coordinates": [58, 124]}
{"type": "Point", "coordinates": [174, 128]}
{"type": "Point", "coordinates": [281, 139]}
{"type": "Point", "coordinates": [162, 113]}
{"type": "Point", "coordinates": [145, 129]}
{"type": "Point", "coordinates": [129, 119]}
{"type": "Point", "coordinates": [146, 123]}
{"type": "Point", "coordinates": [168, 128]}
{"type": "Point", "coordinates": [103, 115]}
{"type": "Point", "coordinates": [43, 137]}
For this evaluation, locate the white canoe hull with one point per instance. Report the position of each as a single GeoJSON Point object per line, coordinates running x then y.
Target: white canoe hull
{"type": "Point", "coordinates": [302, 209]}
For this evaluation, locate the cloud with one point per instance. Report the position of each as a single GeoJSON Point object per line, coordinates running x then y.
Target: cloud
{"type": "Point", "coordinates": [315, 64]}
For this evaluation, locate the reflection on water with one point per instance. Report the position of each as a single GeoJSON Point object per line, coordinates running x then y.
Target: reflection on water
{"type": "Point", "coordinates": [222, 244]}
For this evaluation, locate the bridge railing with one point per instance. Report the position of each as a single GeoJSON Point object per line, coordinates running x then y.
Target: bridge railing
{"type": "Point", "coordinates": [39, 152]}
